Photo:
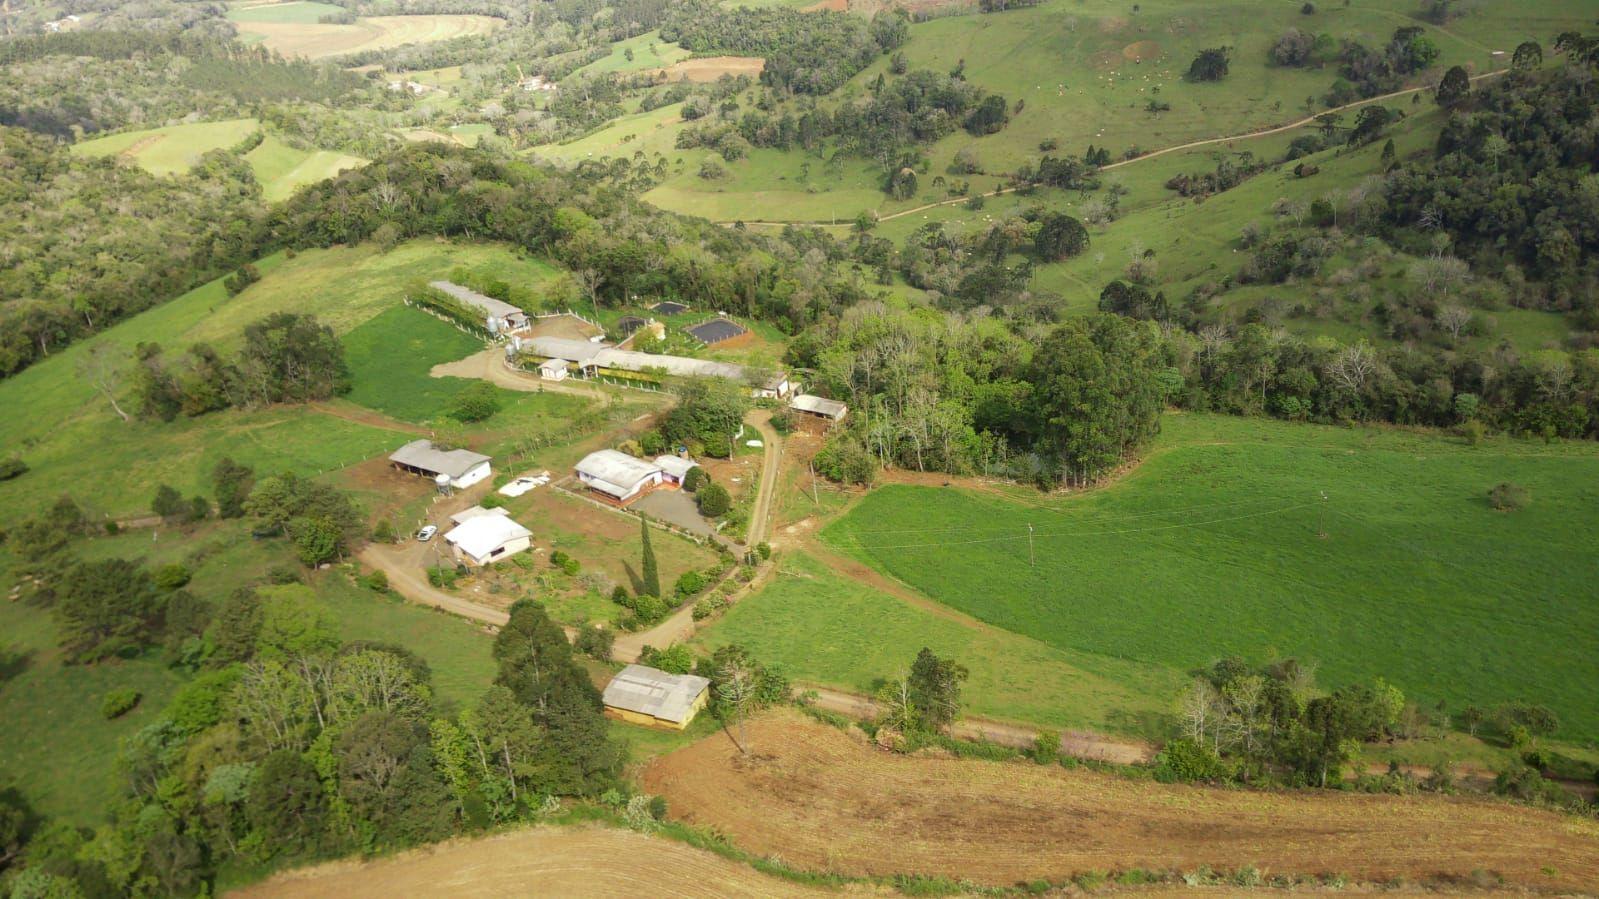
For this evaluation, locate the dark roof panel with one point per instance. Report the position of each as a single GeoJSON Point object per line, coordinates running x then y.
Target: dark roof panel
{"type": "Point", "coordinates": [627, 324]}
{"type": "Point", "coordinates": [669, 308]}
{"type": "Point", "coordinates": [717, 330]}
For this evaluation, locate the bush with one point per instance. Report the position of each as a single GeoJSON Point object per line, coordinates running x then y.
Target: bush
{"type": "Point", "coordinates": [566, 563]}
{"type": "Point", "coordinates": [764, 549]}
{"type": "Point", "coordinates": [377, 581]}
{"type": "Point", "coordinates": [695, 479]}
{"type": "Point", "coordinates": [649, 609]}
{"type": "Point", "coordinates": [714, 500]}
{"type": "Point", "coordinates": [620, 597]}
{"type": "Point", "coordinates": [476, 403]}
{"type": "Point", "coordinates": [492, 501]}
{"type": "Point", "coordinates": [119, 702]}
{"type": "Point", "coordinates": [1046, 747]}
{"type": "Point", "coordinates": [443, 576]}
{"type": "Point", "coordinates": [1508, 497]}
{"type": "Point", "coordinates": [383, 532]}
{"type": "Point", "coordinates": [1183, 761]}
{"type": "Point", "coordinates": [690, 583]}
{"type": "Point", "coordinates": [11, 468]}
{"type": "Point", "coordinates": [595, 642]}
{"type": "Point", "coordinates": [171, 576]}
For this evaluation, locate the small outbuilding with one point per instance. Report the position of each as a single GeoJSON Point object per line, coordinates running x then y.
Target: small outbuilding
{"type": "Point", "coordinates": [652, 698]}
{"type": "Point", "coordinates": [457, 468]}
{"type": "Point", "coordinates": [617, 477]}
{"type": "Point", "coordinates": [628, 324]}
{"type": "Point", "coordinates": [674, 468]}
{"type": "Point", "coordinates": [821, 407]}
{"type": "Point", "coordinates": [467, 514]}
{"type": "Point", "coordinates": [776, 387]}
{"type": "Point", "coordinates": [487, 538]}
{"type": "Point", "coordinates": [553, 370]}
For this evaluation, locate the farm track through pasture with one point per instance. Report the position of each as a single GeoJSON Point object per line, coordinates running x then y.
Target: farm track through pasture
{"type": "Point", "coordinates": [823, 799]}
{"type": "Point", "coordinates": [1191, 145]}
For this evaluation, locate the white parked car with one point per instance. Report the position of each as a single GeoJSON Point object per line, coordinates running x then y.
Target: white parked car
{"type": "Point", "coordinates": [426, 533]}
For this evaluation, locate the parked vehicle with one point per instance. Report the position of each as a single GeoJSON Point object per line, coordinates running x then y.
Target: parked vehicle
{"type": "Point", "coordinates": [426, 533]}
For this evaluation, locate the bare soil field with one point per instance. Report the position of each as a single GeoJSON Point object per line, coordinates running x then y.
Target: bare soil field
{"type": "Point", "coordinates": [541, 861]}
{"type": "Point", "coordinates": [822, 799]}
{"type": "Point", "coordinates": [316, 41]}
{"type": "Point", "coordinates": [568, 326]}
{"type": "Point", "coordinates": [710, 68]}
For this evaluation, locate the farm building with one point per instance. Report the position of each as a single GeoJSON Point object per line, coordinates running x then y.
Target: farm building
{"type": "Point", "coordinates": [553, 370]}
{"type": "Point", "coordinates": [498, 316]}
{"type": "Point", "coordinates": [776, 387]}
{"type": "Point", "coordinates": [616, 476]}
{"type": "Point", "coordinates": [487, 538]}
{"type": "Point", "coordinates": [594, 358]}
{"type": "Point", "coordinates": [674, 468]}
{"type": "Point", "coordinates": [465, 515]}
{"type": "Point", "coordinates": [669, 308]}
{"type": "Point", "coordinates": [717, 330]}
{"type": "Point", "coordinates": [457, 467]}
{"type": "Point", "coordinates": [653, 698]}
{"type": "Point", "coordinates": [833, 410]}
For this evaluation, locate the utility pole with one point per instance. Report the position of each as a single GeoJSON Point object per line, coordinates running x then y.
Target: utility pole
{"type": "Point", "coordinates": [1321, 526]}
{"type": "Point", "coordinates": [1029, 546]}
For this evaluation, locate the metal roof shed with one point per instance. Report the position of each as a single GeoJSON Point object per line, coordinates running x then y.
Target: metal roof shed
{"type": "Point", "coordinates": [651, 697]}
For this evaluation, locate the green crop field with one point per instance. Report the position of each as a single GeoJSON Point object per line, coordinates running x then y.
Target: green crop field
{"type": "Point", "coordinates": [282, 169]}
{"type": "Point", "coordinates": [649, 52]}
{"type": "Point", "coordinates": [173, 149]}
{"type": "Point", "coordinates": [824, 628]}
{"type": "Point", "coordinates": [298, 12]}
{"type": "Point", "coordinates": [1221, 543]}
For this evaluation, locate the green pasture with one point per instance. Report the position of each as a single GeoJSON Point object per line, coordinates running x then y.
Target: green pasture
{"type": "Point", "coordinates": [824, 628]}
{"type": "Point", "coordinates": [297, 12]}
{"type": "Point", "coordinates": [282, 169]}
{"type": "Point", "coordinates": [649, 52]}
{"type": "Point", "coordinates": [1221, 543]}
{"type": "Point", "coordinates": [173, 149]}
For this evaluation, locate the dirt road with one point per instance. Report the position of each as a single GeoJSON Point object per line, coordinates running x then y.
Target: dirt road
{"type": "Point", "coordinates": [490, 366]}
{"type": "Point", "coordinates": [404, 570]}
{"type": "Point", "coordinates": [772, 459]}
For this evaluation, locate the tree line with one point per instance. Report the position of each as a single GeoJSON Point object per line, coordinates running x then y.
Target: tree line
{"type": "Point", "coordinates": [805, 52]}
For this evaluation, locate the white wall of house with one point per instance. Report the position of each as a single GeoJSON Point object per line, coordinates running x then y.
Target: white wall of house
{"type": "Point", "coordinates": [503, 551]}
{"type": "Point", "coordinates": [473, 475]}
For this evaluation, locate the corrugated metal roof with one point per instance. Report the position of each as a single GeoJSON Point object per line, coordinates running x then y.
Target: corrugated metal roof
{"type": "Point", "coordinates": [472, 512]}
{"type": "Point", "coordinates": [650, 691]}
{"type": "Point", "coordinates": [487, 304]}
{"type": "Point", "coordinates": [717, 330]}
{"type": "Point", "coordinates": [676, 466]}
{"type": "Point", "coordinates": [617, 469]}
{"type": "Point", "coordinates": [482, 535]}
{"type": "Point", "coordinates": [585, 353]}
{"type": "Point", "coordinates": [818, 406]}
{"type": "Point", "coordinates": [422, 454]}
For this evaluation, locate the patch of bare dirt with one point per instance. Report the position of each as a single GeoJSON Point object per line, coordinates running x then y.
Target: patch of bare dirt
{"type": "Point", "coordinates": [710, 68]}
{"type": "Point", "coordinates": [140, 145]}
{"type": "Point", "coordinates": [539, 861]}
{"type": "Point", "coordinates": [568, 326]}
{"type": "Point", "coordinates": [1141, 51]}
{"type": "Point", "coordinates": [822, 800]}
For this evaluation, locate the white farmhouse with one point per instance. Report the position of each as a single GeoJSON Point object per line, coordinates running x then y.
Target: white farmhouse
{"type": "Point", "coordinates": [487, 538]}
{"type": "Point", "coordinates": [616, 476]}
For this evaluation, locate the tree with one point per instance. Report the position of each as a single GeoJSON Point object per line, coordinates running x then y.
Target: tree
{"type": "Point", "coordinates": [934, 685]}
{"type": "Point", "coordinates": [902, 184]}
{"type": "Point", "coordinates": [1095, 392]}
{"type": "Point", "coordinates": [1060, 236]}
{"type": "Point", "coordinates": [709, 411]}
{"type": "Point", "coordinates": [1528, 56]}
{"type": "Point", "coordinates": [1472, 717]}
{"type": "Point", "coordinates": [168, 503]}
{"type": "Point", "coordinates": [1454, 88]}
{"type": "Point", "coordinates": [106, 607]}
{"type": "Point", "coordinates": [1211, 64]}
{"type": "Point", "coordinates": [103, 366]}
{"type": "Point", "coordinates": [477, 402]}
{"type": "Point", "coordinates": [291, 358]}
{"type": "Point", "coordinates": [990, 116]}
{"type": "Point", "coordinates": [316, 540]}
{"type": "Point", "coordinates": [1369, 124]}
{"type": "Point", "coordinates": [714, 500]}
{"type": "Point", "coordinates": [232, 484]}
{"type": "Point", "coordinates": [649, 572]}
{"type": "Point", "coordinates": [286, 804]}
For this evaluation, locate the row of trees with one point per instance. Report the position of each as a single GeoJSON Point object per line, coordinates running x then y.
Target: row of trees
{"type": "Point", "coordinates": [805, 52]}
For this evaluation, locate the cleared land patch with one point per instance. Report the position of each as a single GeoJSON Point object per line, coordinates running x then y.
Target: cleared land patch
{"type": "Point", "coordinates": [544, 861]}
{"type": "Point", "coordinates": [822, 799]}
{"type": "Point", "coordinates": [1215, 546]}
{"type": "Point", "coordinates": [317, 41]}
{"type": "Point", "coordinates": [710, 68]}
{"type": "Point", "coordinates": [173, 149]}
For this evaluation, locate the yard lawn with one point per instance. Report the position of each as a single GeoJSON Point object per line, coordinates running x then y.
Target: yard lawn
{"type": "Point", "coordinates": [1214, 546]}
{"type": "Point", "coordinates": [822, 627]}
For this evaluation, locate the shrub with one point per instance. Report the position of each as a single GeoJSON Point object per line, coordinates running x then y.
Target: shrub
{"type": "Point", "coordinates": [1046, 747]}
{"type": "Point", "coordinates": [674, 659]}
{"type": "Point", "coordinates": [620, 597]}
{"type": "Point", "coordinates": [649, 609]}
{"type": "Point", "coordinates": [714, 500]}
{"type": "Point", "coordinates": [119, 702]}
{"type": "Point", "coordinates": [1508, 497]}
{"type": "Point", "coordinates": [443, 576]}
{"type": "Point", "coordinates": [690, 583]}
{"type": "Point", "coordinates": [171, 576]}
{"type": "Point", "coordinates": [11, 468]}
{"type": "Point", "coordinates": [595, 642]}
{"type": "Point", "coordinates": [695, 479]}
{"type": "Point", "coordinates": [377, 581]}
{"type": "Point", "coordinates": [1184, 760]}
{"type": "Point", "coordinates": [764, 549]}
{"type": "Point", "coordinates": [383, 532]}
{"type": "Point", "coordinates": [476, 403]}
{"type": "Point", "coordinates": [566, 563]}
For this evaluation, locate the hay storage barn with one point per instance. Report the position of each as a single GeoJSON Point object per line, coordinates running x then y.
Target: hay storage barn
{"type": "Point", "coordinates": [832, 410]}
{"type": "Point", "coordinates": [653, 698]}
{"type": "Point", "coordinates": [462, 468]}
{"type": "Point", "coordinates": [616, 476]}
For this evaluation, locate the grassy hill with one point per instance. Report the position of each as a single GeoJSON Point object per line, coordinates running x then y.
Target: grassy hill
{"type": "Point", "coordinates": [1221, 543]}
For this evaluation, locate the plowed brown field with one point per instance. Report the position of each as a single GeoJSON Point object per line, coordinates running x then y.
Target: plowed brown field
{"type": "Point", "coordinates": [541, 861]}
{"type": "Point", "coordinates": [821, 799]}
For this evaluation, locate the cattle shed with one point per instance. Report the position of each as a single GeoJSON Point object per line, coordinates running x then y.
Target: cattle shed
{"type": "Point", "coordinates": [653, 698]}
{"type": "Point", "coordinates": [462, 468]}
{"type": "Point", "coordinates": [498, 315]}
{"type": "Point", "coordinates": [833, 410]}
{"type": "Point", "coordinates": [616, 476]}
{"type": "Point", "coordinates": [717, 330]}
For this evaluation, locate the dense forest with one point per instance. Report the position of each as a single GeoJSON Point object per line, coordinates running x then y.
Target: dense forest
{"type": "Point", "coordinates": [805, 52]}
